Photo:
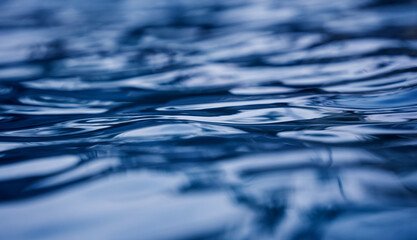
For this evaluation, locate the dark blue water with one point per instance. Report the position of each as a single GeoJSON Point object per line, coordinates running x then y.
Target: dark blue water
{"type": "Point", "coordinates": [208, 119]}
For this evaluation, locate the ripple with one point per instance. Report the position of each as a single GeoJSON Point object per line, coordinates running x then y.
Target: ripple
{"type": "Point", "coordinates": [245, 45]}
{"type": "Point", "coordinates": [259, 116]}
{"type": "Point", "coordinates": [224, 104]}
{"type": "Point", "coordinates": [84, 171]}
{"type": "Point", "coordinates": [57, 105]}
{"type": "Point", "coordinates": [397, 81]}
{"type": "Point", "coordinates": [393, 99]}
{"type": "Point", "coordinates": [20, 73]}
{"type": "Point", "coordinates": [323, 136]}
{"type": "Point", "coordinates": [346, 71]}
{"type": "Point", "coordinates": [239, 119]}
{"type": "Point", "coordinates": [66, 84]}
{"type": "Point", "coordinates": [170, 131]}
{"type": "Point", "coordinates": [31, 110]}
{"type": "Point", "coordinates": [61, 101]}
{"type": "Point", "coordinates": [260, 90]}
{"type": "Point", "coordinates": [337, 49]}
{"type": "Point", "coordinates": [393, 117]}
{"type": "Point", "coordinates": [399, 15]}
{"type": "Point", "coordinates": [37, 167]}
{"type": "Point", "coordinates": [350, 134]}
{"type": "Point", "coordinates": [259, 164]}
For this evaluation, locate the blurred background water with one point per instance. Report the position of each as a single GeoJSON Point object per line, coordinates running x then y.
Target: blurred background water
{"type": "Point", "coordinates": [208, 119]}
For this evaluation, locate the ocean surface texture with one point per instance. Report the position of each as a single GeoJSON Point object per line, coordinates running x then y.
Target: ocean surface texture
{"type": "Point", "coordinates": [208, 120]}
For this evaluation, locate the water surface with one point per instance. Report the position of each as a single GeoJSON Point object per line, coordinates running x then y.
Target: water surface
{"type": "Point", "coordinates": [238, 119]}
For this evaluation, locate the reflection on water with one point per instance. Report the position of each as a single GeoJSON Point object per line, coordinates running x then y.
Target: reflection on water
{"type": "Point", "coordinates": [240, 119]}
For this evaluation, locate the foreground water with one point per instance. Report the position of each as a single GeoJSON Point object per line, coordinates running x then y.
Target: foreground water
{"type": "Point", "coordinates": [208, 119]}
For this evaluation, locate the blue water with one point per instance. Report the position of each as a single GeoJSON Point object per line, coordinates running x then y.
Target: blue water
{"type": "Point", "coordinates": [208, 119]}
